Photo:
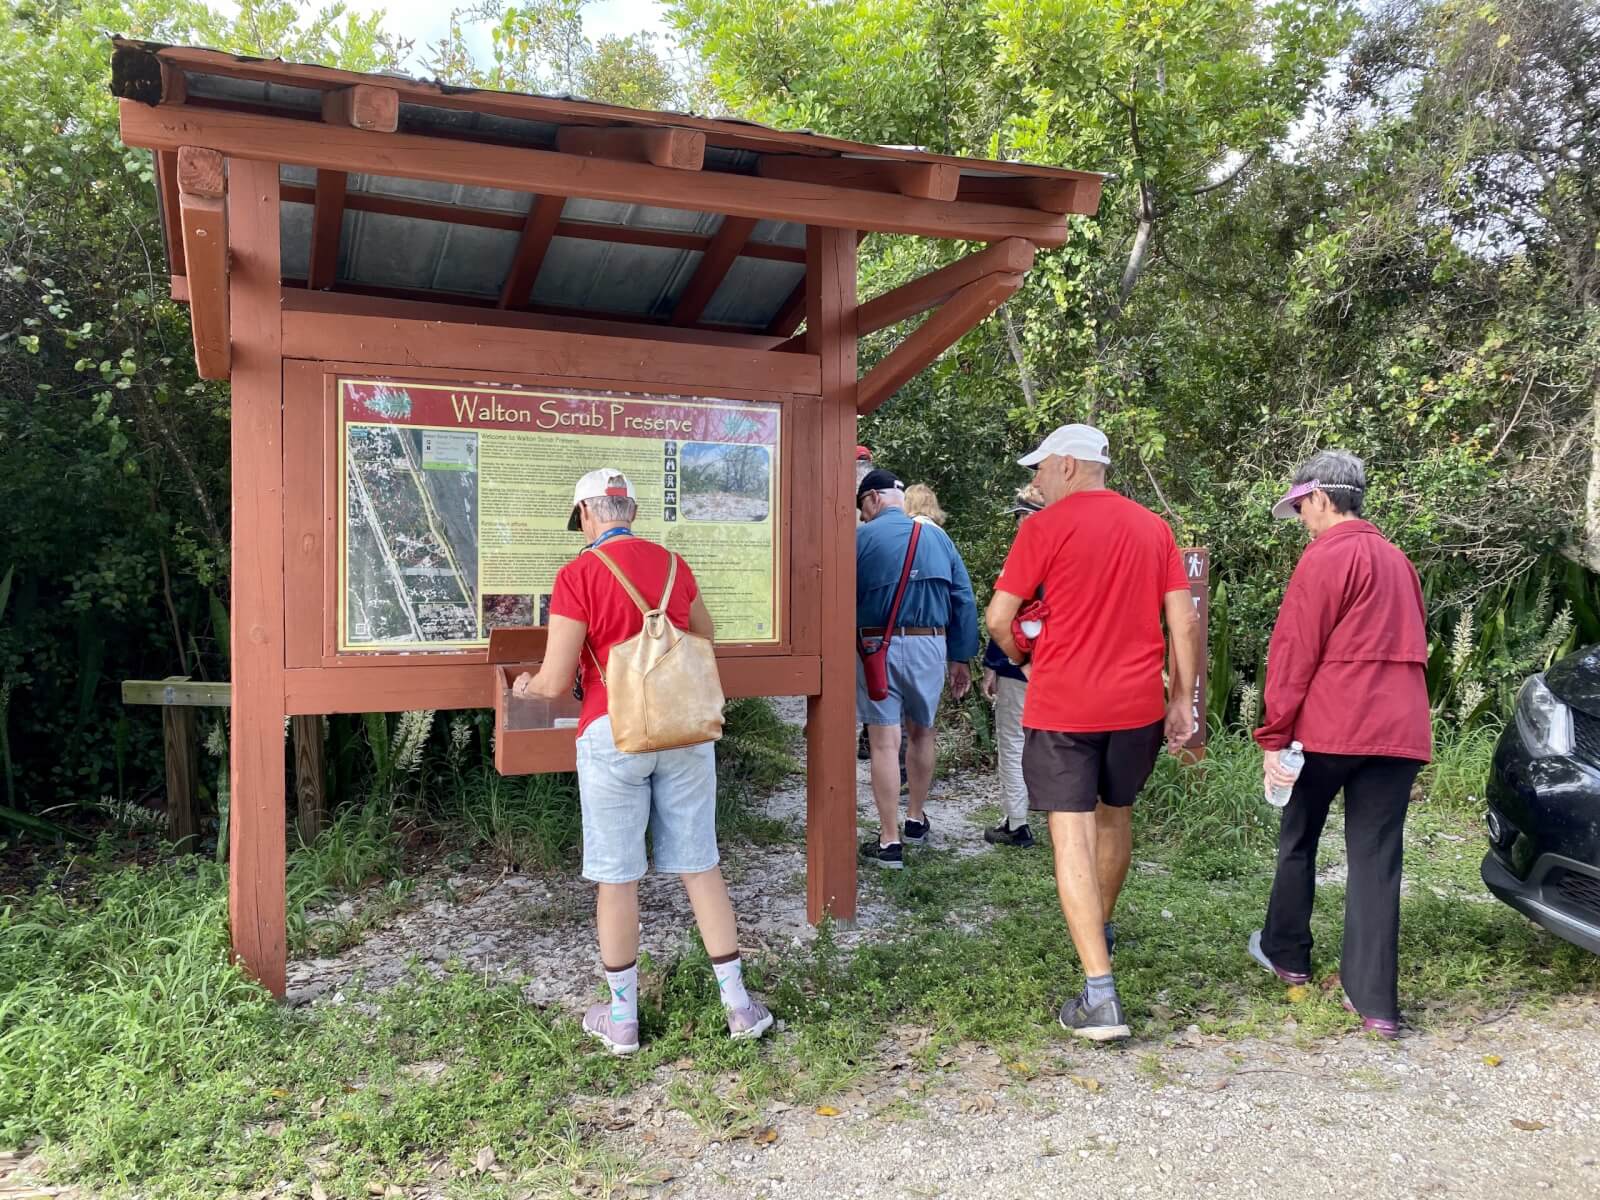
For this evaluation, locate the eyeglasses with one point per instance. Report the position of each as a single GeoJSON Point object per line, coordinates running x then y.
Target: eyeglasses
{"type": "Point", "coordinates": [1296, 506]}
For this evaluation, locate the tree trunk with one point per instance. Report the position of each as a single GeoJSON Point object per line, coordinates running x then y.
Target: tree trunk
{"type": "Point", "coordinates": [1015, 343]}
{"type": "Point", "coordinates": [1587, 551]}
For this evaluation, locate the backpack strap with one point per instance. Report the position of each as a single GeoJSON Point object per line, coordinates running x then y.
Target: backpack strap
{"type": "Point", "coordinates": [633, 592]}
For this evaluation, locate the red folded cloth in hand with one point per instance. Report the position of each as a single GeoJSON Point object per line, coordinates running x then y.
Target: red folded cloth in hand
{"type": "Point", "coordinates": [1032, 614]}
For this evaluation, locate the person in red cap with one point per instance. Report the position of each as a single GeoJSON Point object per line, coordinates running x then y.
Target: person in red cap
{"type": "Point", "coordinates": [1346, 678]}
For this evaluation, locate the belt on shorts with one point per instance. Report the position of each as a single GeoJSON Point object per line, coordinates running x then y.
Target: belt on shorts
{"type": "Point", "coordinates": [904, 631]}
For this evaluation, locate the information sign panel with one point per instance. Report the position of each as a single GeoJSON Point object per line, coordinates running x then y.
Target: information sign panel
{"type": "Point", "coordinates": [454, 499]}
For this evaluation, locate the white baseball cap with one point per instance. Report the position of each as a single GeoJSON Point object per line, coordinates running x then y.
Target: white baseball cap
{"type": "Point", "coordinates": [1082, 442]}
{"type": "Point", "coordinates": [596, 484]}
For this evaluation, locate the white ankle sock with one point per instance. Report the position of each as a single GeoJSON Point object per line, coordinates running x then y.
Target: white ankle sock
{"type": "Point", "coordinates": [624, 985]}
{"type": "Point", "coordinates": [730, 984]}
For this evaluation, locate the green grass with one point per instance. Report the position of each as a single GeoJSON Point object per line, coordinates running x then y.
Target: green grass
{"type": "Point", "coordinates": [144, 1063]}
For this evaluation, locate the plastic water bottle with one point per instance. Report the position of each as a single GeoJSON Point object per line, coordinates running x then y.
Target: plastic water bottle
{"type": "Point", "coordinates": [1292, 760]}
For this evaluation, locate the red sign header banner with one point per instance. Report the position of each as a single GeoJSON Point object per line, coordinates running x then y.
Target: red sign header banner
{"type": "Point", "coordinates": [558, 411]}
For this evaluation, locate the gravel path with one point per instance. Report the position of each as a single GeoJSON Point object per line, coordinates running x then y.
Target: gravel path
{"type": "Point", "coordinates": [1508, 1109]}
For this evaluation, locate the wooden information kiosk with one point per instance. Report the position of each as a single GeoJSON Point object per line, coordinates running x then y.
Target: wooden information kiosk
{"type": "Point", "coordinates": [437, 307]}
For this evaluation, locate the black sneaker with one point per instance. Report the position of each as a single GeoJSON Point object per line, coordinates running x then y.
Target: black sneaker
{"type": "Point", "coordinates": [916, 832]}
{"type": "Point", "coordinates": [863, 747]}
{"type": "Point", "coordinates": [891, 857]}
{"type": "Point", "coordinates": [1102, 1023]}
{"type": "Point", "coordinates": [1003, 835]}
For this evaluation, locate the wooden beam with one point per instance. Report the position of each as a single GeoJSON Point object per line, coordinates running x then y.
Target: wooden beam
{"type": "Point", "coordinates": [678, 149]}
{"type": "Point", "coordinates": [327, 220]}
{"type": "Point", "coordinates": [177, 692]}
{"type": "Point", "coordinates": [490, 218]}
{"type": "Point", "coordinates": [831, 712]}
{"type": "Point", "coordinates": [1050, 195]}
{"type": "Point", "coordinates": [174, 89]}
{"type": "Point", "coordinates": [932, 181]}
{"type": "Point", "coordinates": [310, 785]}
{"type": "Point", "coordinates": [203, 216]}
{"type": "Point", "coordinates": [964, 311]}
{"type": "Point", "coordinates": [715, 263]}
{"type": "Point", "coordinates": [201, 173]}
{"type": "Point", "coordinates": [364, 106]}
{"type": "Point", "coordinates": [352, 303]}
{"type": "Point", "coordinates": [1010, 257]}
{"type": "Point", "coordinates": [486, 348]}
{"type": "Point", "coordinates": [256, 821]}
{"type": "Point", "coordinates": [172, 225]}
{"type": "Point", "coordinates": [791, 314]}
{"type": "Point", "coordinates": [538, 231]}
{"type": "Point", "coordinates": [276, 140]}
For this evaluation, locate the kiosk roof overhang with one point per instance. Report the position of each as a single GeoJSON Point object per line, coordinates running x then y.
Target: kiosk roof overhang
{"type": "Point", "coordinates": [400, 188]}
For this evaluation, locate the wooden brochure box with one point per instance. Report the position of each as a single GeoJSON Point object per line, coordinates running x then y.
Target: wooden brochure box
{"type": "Point", "coordinates": [531, 734]}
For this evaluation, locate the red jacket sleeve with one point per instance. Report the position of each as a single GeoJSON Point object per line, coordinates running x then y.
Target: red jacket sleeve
{"type": "Point", "coordinates": [1310, 609]}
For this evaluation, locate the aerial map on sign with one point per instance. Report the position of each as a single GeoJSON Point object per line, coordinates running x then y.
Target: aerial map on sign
{"type": "Point", "coordinates": [454, 504]}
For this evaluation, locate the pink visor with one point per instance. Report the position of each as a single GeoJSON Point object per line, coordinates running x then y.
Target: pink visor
{"type": "Point", "coordinates": [1283, 510]}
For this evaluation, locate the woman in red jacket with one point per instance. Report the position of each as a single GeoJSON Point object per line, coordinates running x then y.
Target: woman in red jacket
{"type": "Point", "coordinates": [1345, 679]}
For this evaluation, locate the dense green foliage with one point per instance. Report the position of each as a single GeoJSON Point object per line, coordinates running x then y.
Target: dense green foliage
{"type": "Point", "coordinates": [1370, 227]}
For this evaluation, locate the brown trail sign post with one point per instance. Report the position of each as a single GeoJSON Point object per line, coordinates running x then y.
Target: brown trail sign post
{"type": "Point", "coordinates": [437, 307]}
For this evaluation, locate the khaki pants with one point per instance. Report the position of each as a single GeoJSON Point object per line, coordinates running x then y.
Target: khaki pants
{"type": "Point", "coordinates": [1008, 697]}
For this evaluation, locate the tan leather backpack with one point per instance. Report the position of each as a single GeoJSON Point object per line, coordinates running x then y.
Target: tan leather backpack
{"type": "Point", "coordinates": [663, 690]}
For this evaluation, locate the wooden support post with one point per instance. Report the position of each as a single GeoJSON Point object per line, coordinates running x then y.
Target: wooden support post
{"type": "Point", "coordinates": [715, 263]}
{"type": "Point", "coordinates": [363, 106]}
{"type": "Point", "coordinates": [182, 749]}
{"type": "Point", "coordinates": [202, 185]}
{"type": "Point", "coordinates": [964, 311]}
{"type": "Point", "coordinates": [256, 881]}
{"type": "Point", "coordinates": [831, 713]}
{"type": "Point", "coordinates": [310, 786]}
{"type": "Point", "coordinates": [327, 221]}
{"type": "Point", "coordinates": [1197, 566]}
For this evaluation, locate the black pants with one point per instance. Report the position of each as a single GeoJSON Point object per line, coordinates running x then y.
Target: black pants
{"type": "Point", "coordinates": [1377, 791]}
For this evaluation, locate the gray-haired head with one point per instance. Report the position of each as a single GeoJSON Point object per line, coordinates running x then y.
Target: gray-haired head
{"type": "Point", "coordinates": [1342, 476]}
{"type": "Point", "coordinates": [613, 508]}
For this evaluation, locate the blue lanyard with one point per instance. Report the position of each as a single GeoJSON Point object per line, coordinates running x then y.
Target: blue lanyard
{"type": "Point", "coordinates": [607, 536]}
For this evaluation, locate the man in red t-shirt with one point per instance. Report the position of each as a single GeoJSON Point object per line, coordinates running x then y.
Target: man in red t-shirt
{"type": "Point", "coordinates": [673, 793]}
{"type": "Point", "coordinates": [1096, 712]}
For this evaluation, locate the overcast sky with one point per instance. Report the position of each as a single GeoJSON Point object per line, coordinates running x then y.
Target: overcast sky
{"type": "Point", "coordinates": [424, 21]}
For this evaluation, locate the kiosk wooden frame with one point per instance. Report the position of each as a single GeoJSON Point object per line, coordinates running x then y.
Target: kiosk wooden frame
{"type": "Point", "coordinates": [233, 139]}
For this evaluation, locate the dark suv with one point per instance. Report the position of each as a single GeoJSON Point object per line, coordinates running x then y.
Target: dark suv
{"type": "Point", "coordinates": [1544, 803]}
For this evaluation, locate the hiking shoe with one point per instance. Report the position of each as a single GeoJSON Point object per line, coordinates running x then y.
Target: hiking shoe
{"type": "Point", "coordinates": [1388, 1030]}
{"type": "Point", "coordinates": [748, 1023]}
{"type": "Point", "coordinates": [1292, 978]}
{"type": "Point", "coordinates": [916, 832]}
{"type": "Point", "coordinates": [892, 857]}
{"type": "Point", "coordinates": [863, 747]}
{"type": "Point", "coordinates": [1102, 1023]}
{"type": "Point", "coordinates": [1003, 835]}
{"type": "Point", "coordinates": [620, 1037]}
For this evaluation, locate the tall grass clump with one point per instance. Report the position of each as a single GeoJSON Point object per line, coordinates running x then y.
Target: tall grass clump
{"type": "Point", "coordinates": [1216, 802]}
{"type": "Point", "coordinates": [108, 997]}
{"type": "Point", "coordinates": [1462, 760]}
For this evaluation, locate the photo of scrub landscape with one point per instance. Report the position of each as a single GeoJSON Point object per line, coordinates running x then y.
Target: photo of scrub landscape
{"type": "Point", "coordinates": [1364, 226]}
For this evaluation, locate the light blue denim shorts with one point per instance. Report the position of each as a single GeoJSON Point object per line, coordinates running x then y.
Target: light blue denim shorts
{"type": "Point", "coordinates": [917, 669]}
{"type": "Point", "coordinates": [672, 792]}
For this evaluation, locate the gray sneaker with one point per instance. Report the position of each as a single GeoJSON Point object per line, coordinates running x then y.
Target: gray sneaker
{"type": "Point", "coordinates": [1104, 1022]}
{"type": "Point", "coordinates": [748, 1023]}
{"type": "Point", "coordinates": [620, 1037]}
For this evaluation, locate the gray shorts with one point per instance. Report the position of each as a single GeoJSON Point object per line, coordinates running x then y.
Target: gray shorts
{"type": "Point", "coordinates": [917, 669]}
{"type": "Point", "coordinates": [673, 793]}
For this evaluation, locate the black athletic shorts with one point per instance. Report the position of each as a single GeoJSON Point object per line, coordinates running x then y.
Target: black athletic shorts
{"type": "Point", "coordinates": [1070, 772]}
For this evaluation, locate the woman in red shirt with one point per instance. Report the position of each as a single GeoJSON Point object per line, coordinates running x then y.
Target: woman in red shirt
{"type": "Point", "coordinates": [1345, 679]}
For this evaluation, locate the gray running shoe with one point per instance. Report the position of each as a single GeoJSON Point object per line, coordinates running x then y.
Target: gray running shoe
{"type": "Point", "coordinates": [748, 1023]}
{"type": "Point", "coordinates": [916, 833]}
{"type": "Point", "coordinates": [620, 1037]}
{"type": "Point", "coordinates": [1292, 978]}
{"type": "Point", "coordinates": [1102, 1023]}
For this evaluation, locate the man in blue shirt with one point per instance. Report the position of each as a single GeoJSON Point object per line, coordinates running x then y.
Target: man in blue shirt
{"type": "Point", "coordinates": [935, 634]}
